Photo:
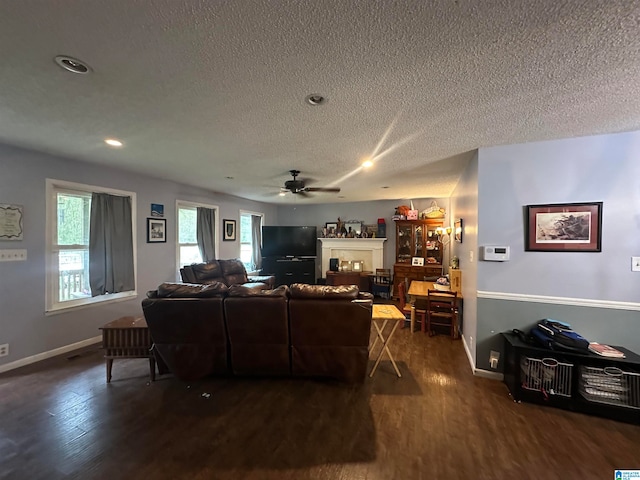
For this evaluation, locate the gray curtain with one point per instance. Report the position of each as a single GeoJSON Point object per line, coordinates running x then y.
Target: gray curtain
{"type": "Point", "coordinates": [256, 235]}
{"type": "Point", "coordinates": [206, 233]}
{"type": "Point", "coordinates": [110, 245]}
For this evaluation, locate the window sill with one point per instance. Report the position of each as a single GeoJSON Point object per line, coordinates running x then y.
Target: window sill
{"type": "Point", "coordinates": [92, 302]}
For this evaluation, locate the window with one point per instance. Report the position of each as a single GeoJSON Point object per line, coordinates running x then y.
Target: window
{"type": "Point", "coordinates": [188, 251]}
{"type": "Point", "coordinates": [68, 220]}
{"type": "Point", "coordinates": [247, 241]}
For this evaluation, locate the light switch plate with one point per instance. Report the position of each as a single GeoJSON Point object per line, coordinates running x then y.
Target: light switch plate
{"type": "Point", "coordinates": [12, 255]}
{"type": "Point", "coordinates": [635, 264]}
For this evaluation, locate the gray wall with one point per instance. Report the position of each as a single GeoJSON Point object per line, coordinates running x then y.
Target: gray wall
{"type": "Point", "coordinates": [368, 212]}
{"type": "Point", "coordinates": [464, 205]}
{"type": "Point", "coordinates": [563, 284]}
{"type": "Point", "coordinates": [23, 323]}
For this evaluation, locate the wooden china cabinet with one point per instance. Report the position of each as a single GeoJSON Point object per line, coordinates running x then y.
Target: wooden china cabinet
{"type": "Point", "coordinates": [417, 238]}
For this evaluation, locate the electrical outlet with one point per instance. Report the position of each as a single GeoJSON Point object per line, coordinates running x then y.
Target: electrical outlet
{"type": "Point", "coordinates": [635, 264]}
{"type": "Point", "coordinates": [494, 357]}
{"type": "Point", "coordinates": [4, 350]}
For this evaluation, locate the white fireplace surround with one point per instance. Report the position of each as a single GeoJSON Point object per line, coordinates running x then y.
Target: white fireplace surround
{"type": "Point", "coordinates": [369, 250]}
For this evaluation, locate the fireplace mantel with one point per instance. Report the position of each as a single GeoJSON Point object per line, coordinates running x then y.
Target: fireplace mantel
{"type": "Point", "coordinates": [371, 250]}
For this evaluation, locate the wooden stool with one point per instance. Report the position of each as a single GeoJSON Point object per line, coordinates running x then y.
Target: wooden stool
{"type": "Point", "coordinates": [127, 337]}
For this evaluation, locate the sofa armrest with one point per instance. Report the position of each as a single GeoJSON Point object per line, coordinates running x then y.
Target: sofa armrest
{"type": "Point", "coordinates": [270, 280]}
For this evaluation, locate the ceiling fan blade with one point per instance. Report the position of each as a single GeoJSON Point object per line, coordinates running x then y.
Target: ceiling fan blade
{"type": "Point", "coordinates": [321, 189]}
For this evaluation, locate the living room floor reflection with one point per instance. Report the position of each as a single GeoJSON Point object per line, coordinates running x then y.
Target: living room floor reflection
{"type": "Point", "coordinates": [61, 420]}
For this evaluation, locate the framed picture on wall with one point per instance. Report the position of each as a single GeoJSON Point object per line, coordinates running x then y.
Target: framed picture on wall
{"type": "Point", "coordinates": [229, 230]}
{"type": "Point", "coordinates": [156, 230]}
{"type": "Point", "coordinates": [564, 227]}
{"type": "Point", "coordinates": [457, 230]}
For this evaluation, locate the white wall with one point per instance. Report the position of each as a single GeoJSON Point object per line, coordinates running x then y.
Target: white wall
{"type": "Point", "coordinates": [22, 284]}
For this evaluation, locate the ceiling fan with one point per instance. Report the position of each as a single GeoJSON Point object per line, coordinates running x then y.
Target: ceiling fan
{"type": "Point", "coordinates": [299, 188]}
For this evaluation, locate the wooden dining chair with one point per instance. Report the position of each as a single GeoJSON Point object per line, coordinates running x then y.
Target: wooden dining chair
{"type": "Point", "coordinates": [442, 310]}
{"type": "Point", "coordinates": [421, 315]}
{"type": "Point", "coordinates": [381, 283]}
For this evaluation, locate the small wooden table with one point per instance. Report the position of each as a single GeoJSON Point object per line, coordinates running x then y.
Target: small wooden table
{"type": "Point", "coordinates": [420, 289]}
{"type": "Point", "coordinates": [384, 314]}
{"type": "Point", "coordinates": [127, 337]}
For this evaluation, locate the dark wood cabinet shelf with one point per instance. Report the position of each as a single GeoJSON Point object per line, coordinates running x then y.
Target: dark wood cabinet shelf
{"type": "Point", "coordinates": [581, 382]}
{"type": "Point", "coordinates": [290, 270]}
{"type": "Point", "coordinates": [417, 238]}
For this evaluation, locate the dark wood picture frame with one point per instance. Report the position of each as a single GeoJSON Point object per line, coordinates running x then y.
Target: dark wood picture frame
{"type": "Point", "coordinates": [564, 227]}
{"type": "Point", "coordinates": [156, 230]}
{"type": "Point", "coordinates": [228, 230]}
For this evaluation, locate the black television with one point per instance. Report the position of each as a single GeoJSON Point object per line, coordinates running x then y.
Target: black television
{"type": "Point", "coordinates": [289, 241]}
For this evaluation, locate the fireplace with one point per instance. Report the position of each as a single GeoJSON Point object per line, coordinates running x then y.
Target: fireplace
{"type": "Point", "coordinates": [369, 250]}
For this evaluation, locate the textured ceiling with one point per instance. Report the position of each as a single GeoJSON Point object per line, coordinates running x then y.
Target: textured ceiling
{"type": "Point", "coordinates": [200, 91]}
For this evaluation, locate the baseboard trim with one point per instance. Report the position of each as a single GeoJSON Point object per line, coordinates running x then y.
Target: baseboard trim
{"type": "Point", "coordinates": [576, 302]}
{"type": "Point", "coordinates": [51, 353]}
{"type": "Point", "coordinates": [478, 372]}
{"type": "Point", "coordinates": [489, 374]}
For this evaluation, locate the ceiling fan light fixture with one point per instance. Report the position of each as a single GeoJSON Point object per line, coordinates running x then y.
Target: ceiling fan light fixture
{"type": "Point", "coordinates": [315, 99]}
{"type": "Point", "coordinates": [72, 65]}
{"type": "Point", "coordinates": [368, 163]}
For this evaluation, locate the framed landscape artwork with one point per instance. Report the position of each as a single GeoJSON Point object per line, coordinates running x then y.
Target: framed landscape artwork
{"type": "Point", "coordinates": [564, 227]}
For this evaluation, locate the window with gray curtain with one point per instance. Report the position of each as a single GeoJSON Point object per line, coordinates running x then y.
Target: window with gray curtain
{"type": "Point", "coordinates": [111, 266]}
{"type": "Point", "coordinates": [256, 241]}
{"type": "Point", "coordinates": [206, 233]}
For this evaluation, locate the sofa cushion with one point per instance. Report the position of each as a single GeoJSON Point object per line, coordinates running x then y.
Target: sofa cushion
{"type": "Point", "coordinates": [207, 272]}
{"type": "Point", "coordinates": [248, 291]}
{"type": "Point", "coordinates": [233, 271]}
{"type": "Point", "coordinates": [191, 290]}
{"type": "Point", "coordinates": [324, 292]}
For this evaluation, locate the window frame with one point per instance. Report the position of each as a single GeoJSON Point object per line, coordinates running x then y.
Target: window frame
{"type": "Point", "coordinates": [246, 212]}
{"type": "Point", "coordinates": [52, 270]}
{"type": "Point", "coordinates": [190, 204]}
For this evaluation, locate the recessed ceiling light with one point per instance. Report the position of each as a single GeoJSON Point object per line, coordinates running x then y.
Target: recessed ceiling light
{"type": "Point", "coordinates": [229, 178]}
{"type": "Point", "coordinates": [113, 142]}
{"type": "Point", "coordinates": [315, 99]}
{"type": "Point", "coordinates": [72, 65]}
{"type": "Point", "coordinates": [386, 186]}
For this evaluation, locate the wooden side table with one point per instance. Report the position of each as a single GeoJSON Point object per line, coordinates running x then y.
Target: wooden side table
{"type": "Point", "coordinates": [127, 337]}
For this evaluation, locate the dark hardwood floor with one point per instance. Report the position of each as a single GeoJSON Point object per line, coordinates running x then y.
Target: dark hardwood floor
{"type": "Point", "coordinates": [59, 419]}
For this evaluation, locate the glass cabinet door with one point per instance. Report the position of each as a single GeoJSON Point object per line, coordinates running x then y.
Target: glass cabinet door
{"type": "Point", "coordinates": [418, 250]}
{"type": "Point", "coordinates": [404, 242]}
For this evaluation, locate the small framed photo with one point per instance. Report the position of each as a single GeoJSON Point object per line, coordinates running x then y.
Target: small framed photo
{"type": "Point", "coordinates": [156, 230]}
{"type": "Point", "coordinates": [157, 210]}
{"type": "Point", "coordinates": [564, 227]}
{"type": "Point", "coordinates": [332, 228]}
{"type": "Point", "coordinates": [417, 261]}
{"type": "Point", "coordinates": [229, 230]}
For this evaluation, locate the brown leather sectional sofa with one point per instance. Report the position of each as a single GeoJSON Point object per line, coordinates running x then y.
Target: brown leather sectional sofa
{"type": "Point", "coordinates": [230, 272]}
{"type": "Point", "coordinates": [302, 330]}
